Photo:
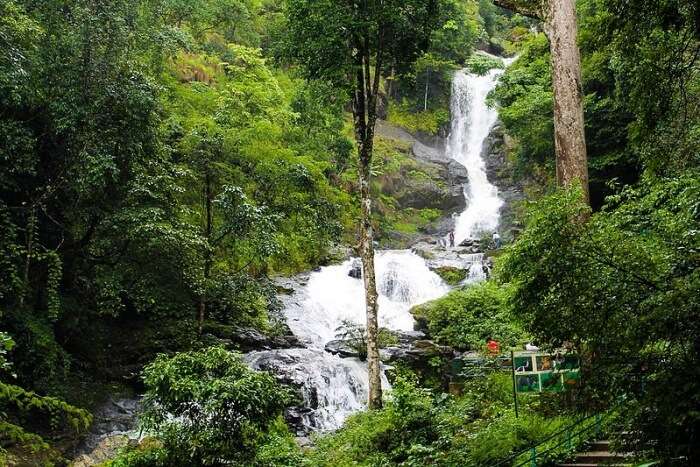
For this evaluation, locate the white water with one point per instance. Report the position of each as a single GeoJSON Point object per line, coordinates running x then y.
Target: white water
{"type": "Point", "coordinates": [472, 121]}
{"type": "Point", "coordinates": [403, 280]}
{"type": "Point", "coordinates": [332, 387]}
{"type": "Point", "coordinates": [335, 387]}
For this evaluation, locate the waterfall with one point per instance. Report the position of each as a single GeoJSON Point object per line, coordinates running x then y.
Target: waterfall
{"type": "Point", "coordinates": [331, 296]}
{"type": "Point", "coordinates": [472, 121]}
{"type": "Point", "coordinates": [333, 387]}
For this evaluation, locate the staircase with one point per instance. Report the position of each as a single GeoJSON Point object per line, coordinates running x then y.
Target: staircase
{"type": "Point", "coordinates": [598, 453]}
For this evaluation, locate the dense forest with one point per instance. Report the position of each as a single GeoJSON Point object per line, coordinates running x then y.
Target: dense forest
{"type": "Point", "coordinates": [167, 167]}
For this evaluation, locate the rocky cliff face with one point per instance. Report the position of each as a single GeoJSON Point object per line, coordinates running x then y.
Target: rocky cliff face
{"type": "Point", "coordinates": [428, 180]}
{"type": "Point", "coordinates": [434, 181]}
{"type": "Point", "coordinates": [500, 174]}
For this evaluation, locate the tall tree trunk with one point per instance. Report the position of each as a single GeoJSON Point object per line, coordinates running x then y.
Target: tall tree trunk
{"type": "Point", "coordinates": [559, 18]}
{"type": "Point", "coordinates": [569, 130]}
{"type": "Point", "coordinates": [369, 277]}
{"type": "Point", "coordinates": [364, 111]}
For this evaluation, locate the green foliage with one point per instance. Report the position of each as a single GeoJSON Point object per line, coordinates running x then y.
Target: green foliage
{"type": "Point", "coordinates": [417, 427]}
{"type": "Point", "coordinates": [46, 414]}
{"type": "Point", "coordinates": [622, 287]}
{"type": "Point", "coordinates": [465, 317]}
{"type": "Point", "coordinates": [452, 275]}
{"type": "Point", "coordinates": [481, 64]}
{"type": "Point", "coordinates": [6, 344]}
{"type": "Point", "coordinates": [120, 123]}
{"type": "Point", "coordinates": [208, 405]}
{"type": "Point", "coordinates": [322, 36]}
{"type": "Point", "coordinates": [524, 96]}
{"type": "Point", "coordinates": [458, 30]}
{"type": "Point", "coordinates": [424, 121]}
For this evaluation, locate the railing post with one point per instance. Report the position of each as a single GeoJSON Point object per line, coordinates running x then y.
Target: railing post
{"type": "Point", "coordinates": [598, 428]}
{"type": "Point", "coordinates": [568, 440]}
{"type": "Point", "coordinates": [533, 457]}
{"type": "Point", "coordinates": [515, 388]}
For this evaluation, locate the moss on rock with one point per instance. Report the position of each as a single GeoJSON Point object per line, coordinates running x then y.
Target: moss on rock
{"type": "Point", "coordinates": [451, 275]}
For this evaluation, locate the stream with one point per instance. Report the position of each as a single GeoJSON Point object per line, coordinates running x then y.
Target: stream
{"type": "Point", "coordinates": [333, 387]}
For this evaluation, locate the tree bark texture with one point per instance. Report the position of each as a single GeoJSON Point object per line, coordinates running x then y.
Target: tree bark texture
{"type": "Point", "coordinates": [569, 130]}
{"type": "Point", "coordinates": [371, 295]}
{"type": "Point", "coordinates": [364, 111]}
{"type": "Point", "coordinates": [560, 25]}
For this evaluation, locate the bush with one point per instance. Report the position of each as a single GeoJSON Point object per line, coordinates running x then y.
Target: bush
{"type": "Point", "coordinates": [429, 121]}
{"type": "Point", "coordinates": [451, 275]}
{"type": "Point", "coordinates": [464, 318]}
{"type": "Point", "coordinates": [207, 406]}
{"type": "Point", "coordinates": [417, 427]}
{"type": "Point", "coordinates": [481, 64]}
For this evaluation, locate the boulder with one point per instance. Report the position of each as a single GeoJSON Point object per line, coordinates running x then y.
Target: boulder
{"type": "Point", "coordinates": [107, 449]}
{"type": "Point", "coordinates": [246, 339]}
{"type": "Point", "coordinates": [342, 348]}
{"type": "Point", "coordinates": [500, 173]}
{"type": "Point", "coordinates": [415, 354]}
{"type": "Point", "coordinates": [355, 269]}
{"type": "Point", "coordinates": [450, 274]}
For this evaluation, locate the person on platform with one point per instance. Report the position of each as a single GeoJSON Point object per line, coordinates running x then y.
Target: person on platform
{"type": "Point", "coordinates": [496, 240]}
{"type": "Point", "coordinates": [452, 239]}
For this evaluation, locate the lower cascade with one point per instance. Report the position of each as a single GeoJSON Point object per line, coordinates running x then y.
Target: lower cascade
{"type": "Point", "coordinates": [333, 387]}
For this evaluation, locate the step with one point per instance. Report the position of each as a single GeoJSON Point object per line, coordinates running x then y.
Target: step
{"type": "Point", "coordinates": [601, 445]}
{"type": "Point", "coordinates": [600, 456]}
{"type": "Point", "coordinates": [592, 465]}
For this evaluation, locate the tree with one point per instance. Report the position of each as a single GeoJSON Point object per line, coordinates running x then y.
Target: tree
{"type": "Point", "coordinates": [624, 288]}
{"type": "Point", "coordinates": [560, 25]}
{"type": "Point", "coordinates": [208, 407]}
{"type": "Point", "coordinates": [352, 44]}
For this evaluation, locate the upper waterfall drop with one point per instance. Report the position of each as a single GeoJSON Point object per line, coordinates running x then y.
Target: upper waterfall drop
{"type": "Point", "coordinates": [472, 120]}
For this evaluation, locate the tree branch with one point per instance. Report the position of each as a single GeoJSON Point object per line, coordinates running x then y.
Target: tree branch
{"type": "Point", "coordinates": [527, 8]}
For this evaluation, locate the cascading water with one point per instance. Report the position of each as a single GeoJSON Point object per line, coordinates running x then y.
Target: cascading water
{"type": "Point", "coordinates": [335, 387]}
{"type": "Point", "coordinates": [403, 280]}
{"type": "Point", "coordinates": [472, 121]}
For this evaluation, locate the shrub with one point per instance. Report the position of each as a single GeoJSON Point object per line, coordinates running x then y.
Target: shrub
{"type": "Point", "coordinates": [481, 64]}
{"type": "Point", "coordinates": [464, 318]}
{"type": "Point", "coordinates": [207, 406]}
{"type": "Point", "coordinates": [418, 427]}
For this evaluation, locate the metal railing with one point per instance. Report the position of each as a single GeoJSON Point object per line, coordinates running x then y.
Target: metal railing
{"type": "Point", "coordinates": [563, 442]}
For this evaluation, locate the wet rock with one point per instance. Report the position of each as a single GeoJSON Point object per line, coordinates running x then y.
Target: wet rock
{"type": "Point", "coordinates": [246, 339]}
{"type": "Point", "coordinates": [428, 154]}
{"type": "Point", "coordinates": [114, 426]}
{"type": "Point", "coordinates": [416, 353]}
{"type": "Point", "coordinates": [304, 442]}
{"type": "Point", "coordinates": [342, 348]}
{"type": "Point", "coordinates": [330, 388]}
{"type": "Point", "coordinates": [500, 173]}
{"type": "Point", "coordinates": [107, 449]}
{"type": "Point", "coordinates": [468, 243]}
{"type": "Point", "coordinates": [356, 270]}
{"type": "Point", "coordinates": [337, 254]}
{"type": "Point", "coordinates": [432, 181]}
